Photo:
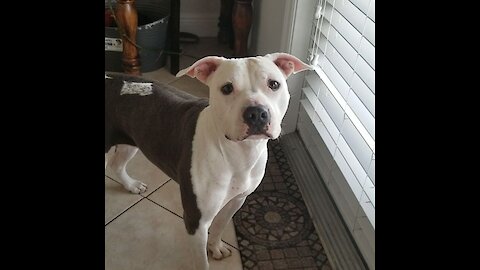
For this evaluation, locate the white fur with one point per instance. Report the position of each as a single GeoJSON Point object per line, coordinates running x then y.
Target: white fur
{"type": "Point", "coordinates": [248, 90]}
{"type": "Point", "coordinates": [118, 163]}
{"type": "Point", "coordinates": [224, 172]}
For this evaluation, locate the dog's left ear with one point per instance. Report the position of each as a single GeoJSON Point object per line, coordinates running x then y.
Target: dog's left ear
{"type": "Point", "coordinates": [287, 63]}
{"type": "Point", "coordinates": [202, 69]}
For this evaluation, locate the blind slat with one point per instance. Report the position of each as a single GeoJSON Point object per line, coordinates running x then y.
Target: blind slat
{"type": "Point", "coordinates": [362, 113]}
{"type": "Point", "coordinates": [330, 37]}
{"type": "Point", "coordinates": [322, 44]}
{"type": "Point", "coordinates": [358, 145]}
{"type": "Point", "coordinates": [339, 42]}
{"type": "Point", "coordinates": [348, 174]}
{"type": "Point", "coordinates": [366, 73]}
{"type": "Point", "coordinates": [371, 170]}
{"type": "Point", "coordinates": [339, 63]}
{"type": "Point", "coordinates": [362, 5]}
{"type": "Point", "coordinates": [364, 93]}
{"type": "Point", "coordinates": [371, 11]}
{"type": "Point", "coordinates": [334, 77]}
{"type": "Point", "coordinates": [329, 102]}
{"type": "Point", "coordinates": [319, 126]}
{"type": "Point", "coordinates": [370, 190]}
{"type": "Point", "coordinates": [353, 163]}
{"type": "Point", "coordinates": [310, 94]}
{"type": "Point", "coordinates": [343, 26]}
{"type": "Point", "coordinates": [350, 12]}
{"type": "Point", "coordinates": [367, 52]}
{"type": "Point", "coordinates": [324, 117]}
{"type": "Point", "coordinates": [369, 32]}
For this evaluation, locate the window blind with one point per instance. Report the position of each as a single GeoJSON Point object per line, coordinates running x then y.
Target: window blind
{"type": "Point", "coordinates": [340, 93]}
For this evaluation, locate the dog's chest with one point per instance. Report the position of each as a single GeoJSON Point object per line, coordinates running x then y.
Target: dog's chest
{"type": "Point", "coordinates": [228, 171]}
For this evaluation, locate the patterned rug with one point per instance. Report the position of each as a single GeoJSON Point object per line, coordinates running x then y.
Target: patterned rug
{"type": "Point", "coordinates": [273, 227]}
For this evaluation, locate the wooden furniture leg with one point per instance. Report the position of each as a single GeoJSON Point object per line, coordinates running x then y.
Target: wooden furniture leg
{"type": "Point", "coordinates": [174, 30]}
{"type": "Point", "coordinates": [242, 22]}
{"type": "Point", "coordinates": [127, 19]}
{"type": "Point", "coordinates": [225, 27]}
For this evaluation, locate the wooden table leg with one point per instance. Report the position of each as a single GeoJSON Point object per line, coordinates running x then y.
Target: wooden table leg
{"type": "Point", "coordinates": [127, 19]}
{"type": "Point", "coordinates": [242, 22]}
{"type": "Point", "coordinates": [174, 30]}
{"type": "Point", "coordinates": [225, 27]}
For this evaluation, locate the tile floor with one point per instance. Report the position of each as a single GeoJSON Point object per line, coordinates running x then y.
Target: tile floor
{"type": "Point", "coordinates": [146, 231]}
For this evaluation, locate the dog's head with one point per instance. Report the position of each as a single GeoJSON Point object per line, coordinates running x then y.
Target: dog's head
{"type": "Point", "coordinates": [249, 96]}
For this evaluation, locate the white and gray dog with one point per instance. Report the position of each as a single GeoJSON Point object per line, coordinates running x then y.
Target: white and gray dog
{"type": "Point", "coordinates": [215, 149]}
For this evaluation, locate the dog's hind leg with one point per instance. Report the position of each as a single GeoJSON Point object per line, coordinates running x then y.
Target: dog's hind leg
{"type": "Point", "coordinates": [121, 156]}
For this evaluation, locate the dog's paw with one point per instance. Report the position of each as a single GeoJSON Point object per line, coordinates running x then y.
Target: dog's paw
{"type": "Point", "coordinates": [136, 187]}
{"type": "Point", "coordinates": [219, 250]}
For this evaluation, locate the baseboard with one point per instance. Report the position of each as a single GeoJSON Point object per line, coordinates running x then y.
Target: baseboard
{"type": "Point", "coordinates": [202, 25]}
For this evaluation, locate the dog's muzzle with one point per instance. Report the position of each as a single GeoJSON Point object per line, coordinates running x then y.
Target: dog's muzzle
{"type": "Point", "coordinates": [257, 119]}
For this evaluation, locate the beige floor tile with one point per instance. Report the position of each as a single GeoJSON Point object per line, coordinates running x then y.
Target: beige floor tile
{"type": "Point", "coordinates": [192, 86]}
{"type": "Point", "coordinates": [142, 169]}
{"type": "Point", "coordinates": [149, 237]}
{"type": "Point", "coordinates": [162, 75]}
{"type": "Point", "coordinates": [117, 199]}
{"type": "Point", "coordinates": [169, 197]}
{"type": "Point", "coordinates": [229, 235]}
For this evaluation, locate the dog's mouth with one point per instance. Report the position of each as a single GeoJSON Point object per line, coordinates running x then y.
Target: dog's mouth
{"type": "Point", "coordinates": [253, 136]}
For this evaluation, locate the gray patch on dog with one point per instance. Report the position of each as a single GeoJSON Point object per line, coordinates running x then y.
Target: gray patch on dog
{"type": "Point", "coordinates": [136, 88]}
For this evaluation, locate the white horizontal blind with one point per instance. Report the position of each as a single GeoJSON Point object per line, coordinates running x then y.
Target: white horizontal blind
{"type": "Point", "coordinates": [341, 92]}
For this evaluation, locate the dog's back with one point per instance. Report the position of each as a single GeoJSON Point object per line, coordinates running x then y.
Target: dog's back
{"type": "Point", "coordinates": [166, 114]}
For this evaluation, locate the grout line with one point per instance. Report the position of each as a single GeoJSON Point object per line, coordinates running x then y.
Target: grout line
{"type": "Point", "coordinates": [124, 211]}
{"type": "Point", "coordinates": [156, 189]}
{"type": "Point", "coordinates": [143, 197]}
{"type": "Point", "coordinates": [230, 244]}
{"type": "Point", "coordinates": [164, 207]}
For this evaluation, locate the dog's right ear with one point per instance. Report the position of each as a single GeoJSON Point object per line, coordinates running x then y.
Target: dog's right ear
{"type": "Point", "coordinates": [203, 68]}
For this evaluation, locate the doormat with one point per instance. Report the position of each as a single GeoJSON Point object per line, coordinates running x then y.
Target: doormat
{"type": "Point", "coordinates": [274, 229]}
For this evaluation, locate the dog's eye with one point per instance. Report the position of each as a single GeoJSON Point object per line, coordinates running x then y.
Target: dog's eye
{"type": "Point", "coordinates": [274, 85]}
{"type": "Point", "coordinates": [227, 88]}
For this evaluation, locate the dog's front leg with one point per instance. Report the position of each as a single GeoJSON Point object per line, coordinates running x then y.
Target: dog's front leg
{"type": "Point", "coordinates": [198, 242]}
{"type": "Point", "coordinates": [218, 249]}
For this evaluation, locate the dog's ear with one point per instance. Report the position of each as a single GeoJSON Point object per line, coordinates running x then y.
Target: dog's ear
{"type": "Point", "coordinates": [287, 63]}
{"type": "Point", "coordinates": [203, 68]}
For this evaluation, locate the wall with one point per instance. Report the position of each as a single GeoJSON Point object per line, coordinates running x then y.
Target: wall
{"type": "Point", "coordinates": [199, 17]}
{"type": "Point", "coordinates": [267, 26]}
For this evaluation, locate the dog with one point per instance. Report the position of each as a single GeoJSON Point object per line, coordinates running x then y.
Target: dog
{"type": "Point", "coordinates": [215, 149]}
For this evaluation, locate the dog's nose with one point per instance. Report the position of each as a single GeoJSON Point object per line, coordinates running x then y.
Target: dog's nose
{"type": "Point", "coordinates": [256, 117]}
